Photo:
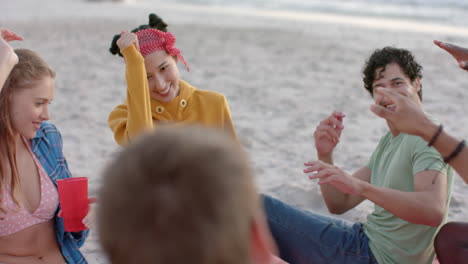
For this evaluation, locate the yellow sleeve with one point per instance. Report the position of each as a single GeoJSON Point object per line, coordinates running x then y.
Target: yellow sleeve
{"type": "Point", "coordinates": [130, 119]}
{"type": "Point", "coordinates": [228, 124]}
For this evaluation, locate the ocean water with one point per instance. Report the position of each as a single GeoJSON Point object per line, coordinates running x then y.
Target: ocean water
{"type": "Point", "coordinates": [445, 12]}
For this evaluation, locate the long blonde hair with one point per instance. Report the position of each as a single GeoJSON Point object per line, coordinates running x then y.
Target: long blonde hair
{"type": "Point", "coordinates": [29, 69]}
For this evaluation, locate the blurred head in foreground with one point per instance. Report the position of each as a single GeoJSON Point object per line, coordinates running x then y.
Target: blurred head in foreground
{"type": "Point", "coordinates": [182, 195]}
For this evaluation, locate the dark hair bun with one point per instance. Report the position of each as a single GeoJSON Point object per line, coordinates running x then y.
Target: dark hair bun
{"type": "Point", "coordinates": [114, 49]}
{"type": "Point", "coordinates": [157, 23]}
{"type": "Point", "coordinates": [154, 22]}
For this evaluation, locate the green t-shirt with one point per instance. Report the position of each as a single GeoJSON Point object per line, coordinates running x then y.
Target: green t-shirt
{"type": "Point", "coordinates": [394, 163]}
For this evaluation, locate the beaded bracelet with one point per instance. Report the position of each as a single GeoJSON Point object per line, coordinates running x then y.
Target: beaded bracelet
{"type": "Point", "coordinates": [436, 135]}
{"type": "Point", "coordinates": [457, 151]}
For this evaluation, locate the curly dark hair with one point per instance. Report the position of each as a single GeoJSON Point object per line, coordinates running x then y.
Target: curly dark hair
{"type": "Point", "coordinates": [154, 22]}
{"type": "Point", "coordinates": [382, 57]}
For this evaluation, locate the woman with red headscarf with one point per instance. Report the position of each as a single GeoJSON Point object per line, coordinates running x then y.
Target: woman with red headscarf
{"type": "Point", "coordinates": [155, 92]}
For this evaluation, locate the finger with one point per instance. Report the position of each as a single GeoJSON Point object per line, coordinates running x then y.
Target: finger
{"type": "Point", "coordinates": [122, 34]}
{"type": "Point", "coordinates": [464, 65]}
{"type": "Point", "coordinates": [333, 136]}
{"type": "Point", "coordinates": [338, 131]}
{"type": "Point", "coordinates": [438, 43]}
{"type": "Point", "coordinates": [327, 129]}
{"type": "Point", "coordinates": [445, 46]}
{"type": "Point", "coordinates": [316, 163]}
{"type": "Point", "coordinates": [12, 37]}
{"type": "Point", "coordinates": [457, 52]}
{"type": "Point", "coordinates": [332, 176]}
{"type": "Point", "coordinates": [339, 115]}
{"type": "Point", "coordinates": [88, 223]}
{"type": "Point", "coordinates": [335, 121]}
{"type": "Point", "coordinates": [318, 175]}
{"type": "Point", "coordinates": [322, 174]}
{"type": "Point", "coordinates": [88, 220]}
{"type": "Point", "coordinates": [137, 45]}
{"type": "Point", "coordinates": [316, 166]}
{"type": "Point", "coordinates": [9, 35]}
{"type": "Point", "coordinates": [329, 125]}
{"type": "Point", "coordinates": [325, 134]}
{"type": "Point", "coordinates": [381, 111]}
{"type": "Point", "coordinates": [311, 163]}
{"type": "Point", "coordinates": [394, 96]}
{"type": "Point", "coordinates": [332, 133]}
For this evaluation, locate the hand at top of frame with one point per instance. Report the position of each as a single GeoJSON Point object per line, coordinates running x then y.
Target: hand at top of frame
{"type": "Point", "coordinates": [459, 53]}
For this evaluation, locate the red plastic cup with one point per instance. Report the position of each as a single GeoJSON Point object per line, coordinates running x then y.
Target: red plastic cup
{"type": "Point", "coordinates": [73, 196]}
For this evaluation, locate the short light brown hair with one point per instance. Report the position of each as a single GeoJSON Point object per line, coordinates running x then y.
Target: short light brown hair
{"type": "Point", "coordinates": [178, 195]}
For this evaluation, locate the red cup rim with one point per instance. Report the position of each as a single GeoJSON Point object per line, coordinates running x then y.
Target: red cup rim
{"type": "Point", "coordinates": [73, 179]}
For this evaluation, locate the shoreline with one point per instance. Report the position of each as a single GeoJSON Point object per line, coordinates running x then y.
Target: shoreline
{"type": "Point", "coordinates": [132, 9]}
{"type": "Point", "coordinates": [324, 17]}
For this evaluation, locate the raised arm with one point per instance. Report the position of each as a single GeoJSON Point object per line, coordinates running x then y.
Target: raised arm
{"type": "Point", "coordinates": [409, 118]}
{"type": "Point", "coordinates": [8, 58]}
{"type": "Point", "coordinates": [134, 117]}
{"type": "Point", "coordinates": [459, 53]}
{"type": "Point", "coordinates": [327, 136]}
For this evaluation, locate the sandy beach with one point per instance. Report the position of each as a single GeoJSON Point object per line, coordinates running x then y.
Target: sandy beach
{"type": "Point", "coordinates": [281, 74]}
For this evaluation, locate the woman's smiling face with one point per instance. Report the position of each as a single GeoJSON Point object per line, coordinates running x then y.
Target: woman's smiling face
{"type": "Point", "coordinates": [163, 76]}
{"type": "Point", "coordinates": [30, 107]}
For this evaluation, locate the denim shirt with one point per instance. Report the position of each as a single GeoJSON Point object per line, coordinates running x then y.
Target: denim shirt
{"type": "Point", "coordinates": [47, 145]}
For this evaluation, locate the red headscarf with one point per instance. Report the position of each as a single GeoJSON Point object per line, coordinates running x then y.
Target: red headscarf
{"type": "Point", "coordinates": [152, 40]}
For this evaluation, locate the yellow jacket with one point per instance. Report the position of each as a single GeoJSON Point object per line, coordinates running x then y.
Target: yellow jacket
{"type": "Point", "coordinates": [140, 113]}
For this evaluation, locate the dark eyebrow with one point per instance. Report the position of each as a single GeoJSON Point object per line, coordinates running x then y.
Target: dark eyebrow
{"type": "Point", "coordinates": [162, 64]}
{"type": "Point", "coordinates": [392, 80]}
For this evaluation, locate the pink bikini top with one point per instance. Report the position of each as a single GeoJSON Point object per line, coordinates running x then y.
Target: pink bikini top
{"type": "Point", "coordinates": [18, 218]}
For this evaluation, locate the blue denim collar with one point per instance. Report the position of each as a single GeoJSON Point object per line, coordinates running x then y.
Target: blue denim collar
{"type": "Point", "coordinates": [40, 135]}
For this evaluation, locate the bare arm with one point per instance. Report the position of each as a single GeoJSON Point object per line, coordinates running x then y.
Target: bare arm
{"type": "Point", "coordinates": [327, 136]}
{"type": "Point", "coordinates": [339, 197]}
{"type": "Point", "coordinates": [460, 54]}
{"type": "Point", "coordinates": [8, 58]}
{"type": "Point", "coordinates": [409, 118]}
{"type": "Point", "coordinates": [133, 118]}
{"type": "Point", "coordinates": [425, 205]}
{"type": "Point", "coordinates": [446, 144]}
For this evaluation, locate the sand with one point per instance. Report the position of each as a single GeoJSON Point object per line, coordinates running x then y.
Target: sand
{"type": "Point", "coordinates": [281, 72]}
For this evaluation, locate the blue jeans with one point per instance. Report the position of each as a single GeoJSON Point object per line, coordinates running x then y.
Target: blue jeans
{"type": "Point", "coordinates": [307, 238]}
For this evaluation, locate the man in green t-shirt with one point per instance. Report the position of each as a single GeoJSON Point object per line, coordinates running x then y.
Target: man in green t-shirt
{"type": "Point", "coordinates": [406, 179]}
{"type": "Point", "coordinates": [451, 242]}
